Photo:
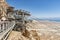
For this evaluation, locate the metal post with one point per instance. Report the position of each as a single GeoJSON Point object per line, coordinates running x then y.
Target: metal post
{"type": "Point", "coordinates": [3, 27]}
{"type": "Point", "coordinates": [0, 27]}
{"type": "Point", "coordinates": [6, 25]}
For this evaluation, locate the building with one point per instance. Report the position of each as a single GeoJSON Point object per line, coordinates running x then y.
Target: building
{"type": "Point", "coordinates": [21, 18]}
{"type": "Point", "coordinates": [22, 15]}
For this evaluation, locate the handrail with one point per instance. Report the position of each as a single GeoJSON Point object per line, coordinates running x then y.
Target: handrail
{"type": "Point", "coordinates": [5, 27]}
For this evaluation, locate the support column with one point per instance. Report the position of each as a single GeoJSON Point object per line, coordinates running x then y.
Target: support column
{"type": "Point", "coordinates": [23, 17]}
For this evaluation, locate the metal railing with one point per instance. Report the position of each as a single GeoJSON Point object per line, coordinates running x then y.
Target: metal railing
{"type": "Point", "coordinates": [5, 27]}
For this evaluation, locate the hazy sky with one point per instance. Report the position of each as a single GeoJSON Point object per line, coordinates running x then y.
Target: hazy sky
{"type": "Point", "coordinates": [38, 8]}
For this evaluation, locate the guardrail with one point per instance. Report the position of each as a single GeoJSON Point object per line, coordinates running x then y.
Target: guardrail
{"type": "Point", "coordinates": [5, 28]}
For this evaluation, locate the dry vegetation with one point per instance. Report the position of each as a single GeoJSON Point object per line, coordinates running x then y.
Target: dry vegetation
{"type": "Point", "coordinates": [43, 30]}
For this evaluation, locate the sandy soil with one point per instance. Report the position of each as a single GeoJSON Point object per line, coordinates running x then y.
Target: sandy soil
{"type": "Point", "coordinates": [43, 30]}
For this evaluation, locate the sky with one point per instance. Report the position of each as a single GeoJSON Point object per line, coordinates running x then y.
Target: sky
{"type": "Point", "coordinates": [38, 8]}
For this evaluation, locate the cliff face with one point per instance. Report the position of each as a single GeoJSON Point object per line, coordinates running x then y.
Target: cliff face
{"type": "Point", "coordinates": [43, 30]}
{"type": "Point", "coordinates": [3, 8]}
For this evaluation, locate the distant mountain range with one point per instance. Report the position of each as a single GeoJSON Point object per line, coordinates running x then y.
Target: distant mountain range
{"type": "Point", "coordinates": [50, 19]}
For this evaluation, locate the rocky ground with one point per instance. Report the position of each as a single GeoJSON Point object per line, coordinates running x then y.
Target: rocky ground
{"type": "Point", "coordinates": [43, 30]}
